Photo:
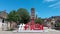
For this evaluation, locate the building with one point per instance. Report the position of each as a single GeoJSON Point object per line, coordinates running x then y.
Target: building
{"type": "Point", "coordinates": [3, 23]}
{"type": "Point", "coordinates": [52, 21]}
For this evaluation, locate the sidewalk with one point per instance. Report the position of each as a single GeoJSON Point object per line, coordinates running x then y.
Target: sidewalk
{"type": "Point", "coordinates": [45, 30]}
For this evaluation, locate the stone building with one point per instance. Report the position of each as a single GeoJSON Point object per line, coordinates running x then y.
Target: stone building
{"type": "Point", "coordinates": [47, 23]}
{"type": "Point", "coordinates": [52, 21]}
{"type": "Point", "coordinates": [3, 23]}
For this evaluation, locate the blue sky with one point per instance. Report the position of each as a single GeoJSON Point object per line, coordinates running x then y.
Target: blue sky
{"type": "Point", "coordinates": [43, 8]}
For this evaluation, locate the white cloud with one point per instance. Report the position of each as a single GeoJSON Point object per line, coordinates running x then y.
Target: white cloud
{"type": "Point", "coordinates": [48, 0]}
{"type": "Point", "coordinates": [58, 6]}
{"type": "Point", "coordinates": [55, 5]}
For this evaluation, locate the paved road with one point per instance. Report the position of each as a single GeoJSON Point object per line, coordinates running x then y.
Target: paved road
{"type": "Point", "coordinates": [51, 31]}
{"type": "Point", "coordinates": [10, 32]}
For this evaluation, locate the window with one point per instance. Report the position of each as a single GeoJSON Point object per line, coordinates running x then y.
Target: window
{"type": "Point", "coordinates": [3, 21]}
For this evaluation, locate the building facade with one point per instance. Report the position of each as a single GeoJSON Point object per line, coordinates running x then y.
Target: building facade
{"type": "Point", "coordinates": [3, 23]}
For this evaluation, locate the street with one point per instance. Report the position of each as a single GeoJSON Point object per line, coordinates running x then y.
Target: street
{"type": "Point", "coordinates": [10, 32]}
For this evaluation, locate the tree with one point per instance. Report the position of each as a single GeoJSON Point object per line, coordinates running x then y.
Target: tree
{"type": "Point", "coordinates": [13, 16]}
{"type": "Point", "coordinates": [58, 24]}
{"type": "Point", "coordinates": [38, 20]}
{"type": "Point", "coordinates": [23, 13]}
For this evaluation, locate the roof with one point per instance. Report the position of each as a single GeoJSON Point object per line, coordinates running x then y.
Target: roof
{"type": "Point", "coordinates": [3, 14]}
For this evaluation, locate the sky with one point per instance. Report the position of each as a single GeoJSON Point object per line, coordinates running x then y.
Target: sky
{"type": "Point", "coordinates": [43, 8]}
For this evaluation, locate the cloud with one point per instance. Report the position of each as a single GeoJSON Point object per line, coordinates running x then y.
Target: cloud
{"type": "Point", "coordinates": [55, 4]}
{"type": "Point", "coordinates": [48, 0]}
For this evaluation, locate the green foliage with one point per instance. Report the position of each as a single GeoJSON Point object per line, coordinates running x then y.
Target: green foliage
{"type": "Point", "coordinates": [0, 12]}
{"type": "Point", "coordinates": [38, 20]}
{"type": "Point", "coordinates": [24, 14]}
{"type": "Point", "coordinates": [21, 15]}
{"type": "Point", "coordinates": [13, 16]}
{"type": "Point", "coordinates": [58, 24]}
